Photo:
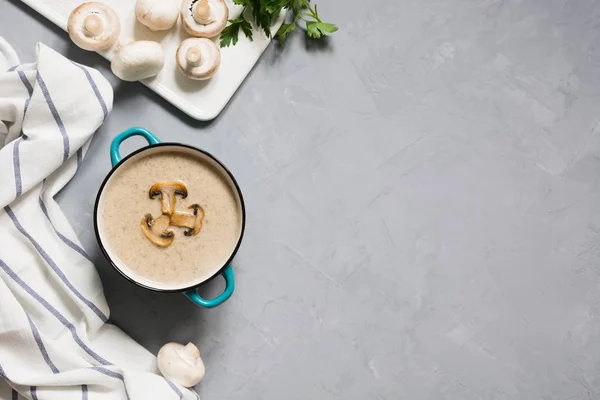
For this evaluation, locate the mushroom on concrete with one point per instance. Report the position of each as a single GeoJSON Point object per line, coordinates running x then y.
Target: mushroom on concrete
{"type": "Point", "coordinates": [191, 220]}
{"type": "Point", "coordinates": [94, 26]}
{"type": "Point", "coordinates": [156, 230]}
{"type": "Point", "coordinates": [158, 15]}
{"type": "Point", "coordinates": [204, 18]}
{"type": "Point", "coordinates": [138, 60]}
{"type": "Point", "coordinates": [198, 58]}
{"type": "Point", "coordinates": [167, 192]}
{"type": "Point", "coordinates": [181, 364]}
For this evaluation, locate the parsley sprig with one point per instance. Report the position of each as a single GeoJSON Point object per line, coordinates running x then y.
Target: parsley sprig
{"type": "Point", "coordinates": [265, 12]}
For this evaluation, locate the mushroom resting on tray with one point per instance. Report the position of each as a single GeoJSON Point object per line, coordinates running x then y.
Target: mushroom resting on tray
{"type": "Point", "coordinates": [138, 60]}
{"type": "Point", "coordinates": [198, 58]}
{"type": "Point", "coordinates": [157, 15]}
{"type": "Point", "coordinates": [94, 26]}
{"type": "Point", "coordinates": [204, 18]}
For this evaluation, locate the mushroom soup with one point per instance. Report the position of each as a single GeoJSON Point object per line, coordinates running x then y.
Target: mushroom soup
{"type": "Point", "coordinates": [171, 217]}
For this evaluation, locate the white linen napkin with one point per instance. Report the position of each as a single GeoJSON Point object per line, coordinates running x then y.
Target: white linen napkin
{"type": "Point", "coordinates": [55, 338]}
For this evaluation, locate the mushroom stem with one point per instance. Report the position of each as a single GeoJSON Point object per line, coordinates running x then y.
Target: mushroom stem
{"type": "Point", "coordinates": [92, 25]}
{"type": "Point", "coordinates": [189, 353]}
{"type": "Point", "coordinates": [202, 12]}
{"type": "Point", "coordinates": [193, 56]}
{"type": "Point", "coordinates": [167, 192]}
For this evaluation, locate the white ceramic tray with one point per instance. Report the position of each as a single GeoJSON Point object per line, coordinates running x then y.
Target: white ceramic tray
{"type": "Point", "coordinates": [202, 100]}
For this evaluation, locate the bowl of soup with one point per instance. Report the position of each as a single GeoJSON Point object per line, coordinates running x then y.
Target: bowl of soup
{"type": "Point", "coordinates": [170, 217]}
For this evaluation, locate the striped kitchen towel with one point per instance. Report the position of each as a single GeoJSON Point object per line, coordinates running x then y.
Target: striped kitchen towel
{"type": "Point", "coordinates": [55, 341]}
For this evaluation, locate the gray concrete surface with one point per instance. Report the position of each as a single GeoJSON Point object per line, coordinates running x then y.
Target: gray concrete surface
{"type": "Point", "coordinates": [424, 205]}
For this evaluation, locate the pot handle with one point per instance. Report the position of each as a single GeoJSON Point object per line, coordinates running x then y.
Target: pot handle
{"type": "Point", "coordinates": [115, 155]}
{"type": "Point", "coordinates": [220, 299]}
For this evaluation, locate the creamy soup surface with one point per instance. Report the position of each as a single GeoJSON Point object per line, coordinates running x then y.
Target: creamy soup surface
{"type": "Point", "coordinates": [187, 259]}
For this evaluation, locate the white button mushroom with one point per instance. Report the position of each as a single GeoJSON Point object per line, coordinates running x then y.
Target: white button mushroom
{"type": "Point", "coordinates": [138, 60]}
{"type": "Point", "coordinates": [204, 18]}
{"type": "Point", "coordinates": [94, 26]}
{"type": "Point", "coordinates": [158, 15]}
{"type": "Point", "coordinates": [198, 58]}
{"type": "Point", "coordinates": [181, 364]}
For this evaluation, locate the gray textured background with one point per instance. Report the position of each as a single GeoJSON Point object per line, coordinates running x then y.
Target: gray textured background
{"type": "Point", "coordinates": [424, 205]}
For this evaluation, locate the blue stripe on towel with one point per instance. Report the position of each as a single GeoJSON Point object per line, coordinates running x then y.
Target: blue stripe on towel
{"type": "Point", "coordinates": [94, 89]}
{"type": "Point", "coordinates": [16, 158]}
{"type": "Point", "coordinates": [175, 388]}
{"type": "Point", "coordinates": [52, 311]}
{"type": "Point", "coordinates": [54, 111]}
{"type": "Point", "coordinates": [17, 167]}
{"type": "Point", "coordinates": [112, 374]}
{"type": "Point", "coordinates": [62, 237]}
{"type": "Point", "coordinates": [40, 344]}
{"type": "Point", "coordinates": [53, 265]}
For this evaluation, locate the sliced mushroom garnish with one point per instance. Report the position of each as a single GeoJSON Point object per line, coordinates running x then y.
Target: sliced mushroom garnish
{"type": "Point", "coordinates": [204, 18]}
{"type": "Point", "coordinates": [167, 192]}
{"type": "Point", "coordinates": [156, 230]}
{"type": "Point", "coordinates": [190, 219]}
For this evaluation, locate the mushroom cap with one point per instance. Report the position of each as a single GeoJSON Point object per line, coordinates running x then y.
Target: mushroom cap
{"type": "Point", "coordinates": [199, 215]}
{"type": "Point", "coordinates": [182, 364]}
{"type": "Point", "coordinates": [198, 58]}
{"type": "Point", "coordinates": [138, 60]}
{"type": "Point", "coordinates": [177, 187]}
{"type": "Point", "coordinates": [218, 13]}
{"type": "Point", "coordinates": [94, 26]}
{"type": "Point", "coordinates": [158, 15]}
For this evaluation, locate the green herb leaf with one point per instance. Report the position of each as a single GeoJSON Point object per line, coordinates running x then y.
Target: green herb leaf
{"type": "Point", "coordinates": [247, 29]}
{"type": "Point", "coordinates": [317, 29]}
{"type": "Point", "coordinates": [295, 5]}
{"type": "Point", "coordinates": [274, 6]}
{"type": "Point", "coordinates": [265, 12]}
{"type": "Point", "coordinates": [285, 30]}
{"type": "Point", "coordinates": [230, 34]}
